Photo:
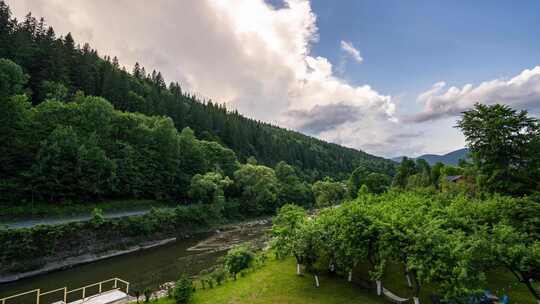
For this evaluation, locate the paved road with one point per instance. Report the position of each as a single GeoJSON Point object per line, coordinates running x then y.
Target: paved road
{"type": "Point", "coordinates": [27, 223]}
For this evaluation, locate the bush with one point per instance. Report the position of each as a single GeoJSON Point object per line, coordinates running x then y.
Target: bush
{"type": "Point", "coordinates": [219, 275]}
{"type": "Point", "coordinates": [238, 259]}
{"type": "Point", "coordinates": [97, 217]}
{"type": "Point", "coordinates": [183, 290]}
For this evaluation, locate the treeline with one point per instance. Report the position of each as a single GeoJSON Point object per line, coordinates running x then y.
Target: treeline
{"type": "Point", "coordinates": [58, 68]}
{"type": "Point", "coordinates": [85, 149]}
{"type": "Point", "coordinates": [445, 244]}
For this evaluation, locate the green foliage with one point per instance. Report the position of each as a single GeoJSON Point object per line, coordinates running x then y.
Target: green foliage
{"type": "Point", "coordinates": [504, 146]}
{"type": "Point", "coordinates": [53, 90]}
{"type": "Point", "coordinates": [306, 245]}
{"type": "Point", "coordinates": [219, 275]}
{"type": "Point", "coordinates": [15, 152]}
{"type": "Point", "coordinates": [238, 259]}
{"type": "Point", "coordinates": [449, 170]}
{"type": "Point", "coordinates": [208, 188]}
{"type": "Point", "coordinates": [327, 192]}
{"type": "Point", "coordinates": [285, 226]}
{"type": "Point", "coordinates": [356, 180]}
{"type": "Point", "coordinates": [291, 187]}
{"type": "Point", "coordinates": [406, 168]}
{"type": "Point", "coordinates": [259, 188]}
{"type": "Point", "coordinates": [364, 190]}
{"type": "Point", "coordinates": [447, 242]}
{"type": "Point", "coordinates": [183, 290]}
{"type": "Point", "coordinates": [12, 78]}
{"type": "Point", "coordinates": [97, 217]}
{"type": "Point", "coordinates": [377, 183]}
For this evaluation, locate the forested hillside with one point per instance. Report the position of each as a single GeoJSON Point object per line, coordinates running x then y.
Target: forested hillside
{"type": "Point", "coordinates": [58, 67]}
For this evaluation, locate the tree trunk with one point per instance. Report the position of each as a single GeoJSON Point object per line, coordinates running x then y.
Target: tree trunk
{"type": "Point", "coordinates": [417, 286]}
{"type": "Point", "coordinates": [532, 290]}
{"type": "Point", "coordinates": [316, 280]}
{"type": "Point", "coordinates": [408, 277]}
{"type": "Point", "coordinates": [298, 272]}
{"type": "Point", "coordinates": [350, 276]}
{"type": "Point", "coordinates": [379, 287]}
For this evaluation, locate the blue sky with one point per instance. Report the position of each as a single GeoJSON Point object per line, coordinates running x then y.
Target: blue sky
{"type": "Point", "coordinates": [389, 77]}
{"type": "Point", "coordinates": [409, 45]}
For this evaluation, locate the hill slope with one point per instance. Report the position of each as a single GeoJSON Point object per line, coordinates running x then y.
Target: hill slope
{"type": "Point", "coordinates": [451, 158]}
{"type": "Point", "coordinates": [58, 68]}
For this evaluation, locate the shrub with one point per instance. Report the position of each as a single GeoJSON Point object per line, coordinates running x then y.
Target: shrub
{"type": "Point", "coordinates": [183, 290]}
{"type": "Point", "coordinates": [219, 275]}
{"type": "Point", "coordinates": [238, 259]}
{"type": "Point", "coordinates": [97, 217]}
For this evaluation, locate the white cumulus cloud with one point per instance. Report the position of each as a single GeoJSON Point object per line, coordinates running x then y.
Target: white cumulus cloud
{"type": "Point", "coordinates": [521, 92]}
{"type": "Point", "coordinates": [349, 48]}
{"type": "Point", "coordinates": [247, 53]}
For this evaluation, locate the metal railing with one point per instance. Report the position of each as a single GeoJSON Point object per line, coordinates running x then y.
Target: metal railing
{"type": "Point", "coordinates": [40, 294]}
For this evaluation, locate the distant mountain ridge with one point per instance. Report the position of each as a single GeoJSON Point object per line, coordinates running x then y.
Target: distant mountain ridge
{"type": "Point", "coordinates": [451, 158]}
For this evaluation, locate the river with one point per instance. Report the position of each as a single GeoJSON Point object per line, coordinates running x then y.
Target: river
{"type": "Point", "coordinates": [146, 268]}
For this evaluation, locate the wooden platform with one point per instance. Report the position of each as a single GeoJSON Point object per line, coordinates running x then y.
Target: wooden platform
{"type": "Point", "coordinates": [118, 295]}
{"type": "Point", "coordinates": [108, 297]}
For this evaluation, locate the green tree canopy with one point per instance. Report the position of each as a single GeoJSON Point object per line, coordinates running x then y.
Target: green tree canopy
{"type": "Point", "coordinates": [503, 144]}
{"type": "Point", "coordinates": [328, 192]}
{"type": "Point", "coordinates": [258, 186]}
{"type": "Point", "coordinates": [12, 78]}
{"type": "Point", "coordinates": [209, 188]}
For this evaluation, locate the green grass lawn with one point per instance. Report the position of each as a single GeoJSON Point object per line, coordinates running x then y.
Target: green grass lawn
{"type": "Point", "coordinates": [277, 282]}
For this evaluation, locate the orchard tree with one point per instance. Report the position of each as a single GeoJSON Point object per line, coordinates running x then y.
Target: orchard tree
{"type": "Point", "coordinates": [446, 259]}
{"type": "Point", "coordinates": [355, 236]}
{"type": "Point", "coordinates": [285, 226]}
{"type": "Point", "coordinates": [518, 253]}
{"type": "Point", "coordinates": [307, 245]}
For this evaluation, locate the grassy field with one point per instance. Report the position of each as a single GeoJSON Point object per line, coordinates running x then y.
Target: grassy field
{"type": "Point", "coordinates": [277, 283]}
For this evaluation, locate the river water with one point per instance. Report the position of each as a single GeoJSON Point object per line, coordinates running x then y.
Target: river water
{"type": "Point", "coordinates": [146, 268]}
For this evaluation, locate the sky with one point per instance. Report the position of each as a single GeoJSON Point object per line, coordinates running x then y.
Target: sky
{"type": "Point", "coordinates": [389, 77]}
